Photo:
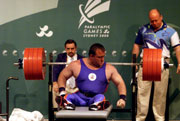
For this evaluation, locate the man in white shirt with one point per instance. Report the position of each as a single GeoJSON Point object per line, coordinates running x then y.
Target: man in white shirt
{"type": "Point", "coordinates": [69, 56]}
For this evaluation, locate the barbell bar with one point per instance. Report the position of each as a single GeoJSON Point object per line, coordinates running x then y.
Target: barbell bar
{"type": "Point", "coordinates": [112, 63]}
{"type": "Point", "coordinates": [64, 63]}
{"type": "Point", "coordinates": [34, 64]}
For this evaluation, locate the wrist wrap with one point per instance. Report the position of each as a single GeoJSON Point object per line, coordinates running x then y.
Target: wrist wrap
{"type": "Point", "coordinates": [61, 89]}
{"type": "Point", "coordinates": [123, 97]}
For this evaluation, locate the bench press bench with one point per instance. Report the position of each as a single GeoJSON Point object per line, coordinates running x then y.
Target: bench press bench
{"type": "Point", "coordinates": [83, 114]}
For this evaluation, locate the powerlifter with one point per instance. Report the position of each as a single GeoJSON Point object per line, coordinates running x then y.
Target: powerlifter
{"type": "Point", "coordinates": [92, 78]}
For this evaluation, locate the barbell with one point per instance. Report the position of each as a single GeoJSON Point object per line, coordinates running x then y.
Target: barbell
{"type": "Point", "coordinates": [34, 64]}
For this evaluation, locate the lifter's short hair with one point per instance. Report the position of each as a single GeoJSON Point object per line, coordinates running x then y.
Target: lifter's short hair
{"type": "Point", "coordinates": [94, 47]}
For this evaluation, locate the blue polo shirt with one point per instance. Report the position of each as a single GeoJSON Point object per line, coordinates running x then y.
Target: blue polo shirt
{"type": "Point", "coordinates": [163, 39]}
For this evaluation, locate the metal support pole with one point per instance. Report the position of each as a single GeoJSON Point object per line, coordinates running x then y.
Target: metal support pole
{"type": "Point", "coordinates": [7, 96]}
{"type": "Point", "coordinates": [50, 106]}
{"type": "Point", "coordinates": [134, 90]}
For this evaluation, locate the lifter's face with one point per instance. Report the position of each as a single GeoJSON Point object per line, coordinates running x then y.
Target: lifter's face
{"type": "Point", "coordinates": [98, 58]}
{"type": "Point", "coordinates": [155, 19]}
{"type": "Point", "coordinates": [70, 49]}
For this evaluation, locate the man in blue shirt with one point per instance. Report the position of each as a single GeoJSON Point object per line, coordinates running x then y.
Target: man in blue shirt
{"type": "Point", "coordinates": [157, 35]}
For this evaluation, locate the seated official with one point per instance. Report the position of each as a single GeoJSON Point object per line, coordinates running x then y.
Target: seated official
{"type": "Point", "coordinates": [69, 56]}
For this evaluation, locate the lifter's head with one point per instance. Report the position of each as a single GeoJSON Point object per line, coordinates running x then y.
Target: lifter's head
{"type": "Point", "coordinates": [96, 54]}
{"type": "Point", "coordinates": [70, 47]}
{"type": "Point", "coordinates": [156, 19]}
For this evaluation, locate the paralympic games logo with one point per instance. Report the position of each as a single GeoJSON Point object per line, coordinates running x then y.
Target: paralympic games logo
{"type": "Point", "coordinates": [92, 8]}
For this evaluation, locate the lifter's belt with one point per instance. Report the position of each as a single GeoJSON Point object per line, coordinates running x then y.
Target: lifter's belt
{"type": "Point", "coordinates": [87, 94]}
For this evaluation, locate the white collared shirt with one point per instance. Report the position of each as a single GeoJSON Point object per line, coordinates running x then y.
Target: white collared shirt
{"type": "Point", "coordinates": [71, 81]}
{"type": "Point", "coordinates": [70, 59]}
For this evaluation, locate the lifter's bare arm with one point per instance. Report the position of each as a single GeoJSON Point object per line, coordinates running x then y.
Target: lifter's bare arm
{"type": "Point", "coordinates": [64, 75]}
{"type": "Point", "coordinates": [116, 78]}
{"type": "Point", "coordinates": [72, 69]}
